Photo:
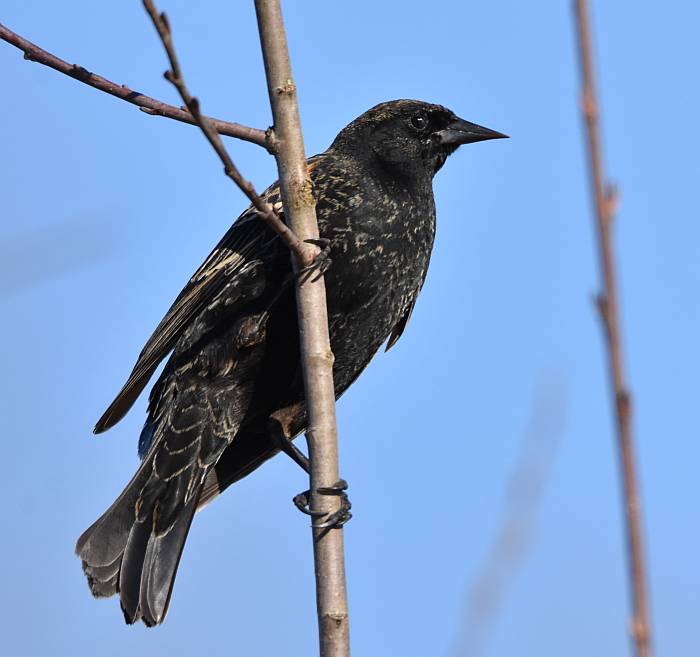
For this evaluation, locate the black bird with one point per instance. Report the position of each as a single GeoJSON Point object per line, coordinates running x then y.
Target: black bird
{"type": "Point", "coordinates": [231, 394]}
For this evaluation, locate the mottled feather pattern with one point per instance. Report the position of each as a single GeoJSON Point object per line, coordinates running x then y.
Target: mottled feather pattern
{"type": "Point", "coordinates": [233, 380]}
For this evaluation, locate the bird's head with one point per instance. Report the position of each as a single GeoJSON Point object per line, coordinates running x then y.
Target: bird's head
{"type": "Point", "coordinates": [409, 137]}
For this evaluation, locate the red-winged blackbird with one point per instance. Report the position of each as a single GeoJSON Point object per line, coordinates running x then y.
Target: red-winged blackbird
{"type": "Point", "coordinates": [232, 385]}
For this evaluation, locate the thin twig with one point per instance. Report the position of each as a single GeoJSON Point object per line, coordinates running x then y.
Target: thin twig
{"type": "Point", "coordinates": [266, 212]}
{"type": "Point", "coordinates": [515, 534]}
{"type": "Point", "coordinates": [34, 53]}
{"type": "Point", "coordinates": [605, 198]}
{"type": "Point", "coordinates": [316, 355]}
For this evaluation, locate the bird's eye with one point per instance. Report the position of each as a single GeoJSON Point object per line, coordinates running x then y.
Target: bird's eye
{"type": "Point", "coordinates": [419, 122]}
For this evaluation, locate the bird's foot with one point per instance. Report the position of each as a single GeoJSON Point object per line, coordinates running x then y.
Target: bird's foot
{"type": "Point", "coordinates": [333, 520]}
{"type": "Point", "coordinates": [321, 262]}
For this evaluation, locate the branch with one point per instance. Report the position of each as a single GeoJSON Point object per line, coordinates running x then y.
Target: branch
{"type": "Point", "coordinates": [514, 537]}
{"type": "Point", "coordinates": [266, 212]}
{"type": "Point", "coordinates": [34, 53]}
{"type": "Point", "coordinates": [316, 355]}
{"type": "Point", "coordinates": [604, 197]}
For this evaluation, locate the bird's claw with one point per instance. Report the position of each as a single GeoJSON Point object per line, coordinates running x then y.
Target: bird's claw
{"type": "Point", "coordinates": [321, 262]}
{"type": "Point", "coordinates": [333, 520]}
{"type": "Point", "coordinates": [302, 501]}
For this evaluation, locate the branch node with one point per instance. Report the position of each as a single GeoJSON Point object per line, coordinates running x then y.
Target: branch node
{"type": "Point", "coordinates": [80, 73]}
{"type": "Point", "coordinates": [166, 22]}
{"type": "Point", "coordinates": [639, 631]}
{"type": "Point", "coordinates": [611, 199]}
{"type": "Point", "coordinates": [336, 618]}
{"type": "Point", "coordinates": [588, 105]}
{"type": "Point", "coordinates": [601, 302]}
{"type": "Point", "coordinates": [271, 141]}
{"type": "Point", "coordinates": [287, 89]}
{"type": "Point", "coordinates": [624, 403]}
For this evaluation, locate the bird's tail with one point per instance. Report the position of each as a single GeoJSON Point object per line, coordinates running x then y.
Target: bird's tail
{"type": "Point", "coordinates": [126, 552]}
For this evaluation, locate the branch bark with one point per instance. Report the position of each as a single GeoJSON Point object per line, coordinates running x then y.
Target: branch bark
{"type": "Point", "coordinates": [317, 358]}
{"type": "Point", "coordinates": [34, 53]}
{"type": "Point", "coordinates": [605, 200]}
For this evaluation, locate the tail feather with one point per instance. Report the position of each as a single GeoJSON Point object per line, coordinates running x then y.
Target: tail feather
{"type": "Point", "coordinates": [134, 549]}
{"type": "Point", "coordinates": [160, 566]}
{"type": "Point", "coordinates": [104, 588]}
{"type": "Point", "coordinates": [132, 567]}
{"type": "Point", "coordinates": [104, 541]}
{"type": "Point", "coordinates": [102, 580]}
{"type": "Point", "coordinates": [127, 552]}
{"type": "Point", "coordinates": [102, 545]}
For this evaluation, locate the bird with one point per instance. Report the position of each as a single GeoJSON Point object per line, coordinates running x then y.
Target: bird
{"type": "Point", "coordinates": [231, 394]}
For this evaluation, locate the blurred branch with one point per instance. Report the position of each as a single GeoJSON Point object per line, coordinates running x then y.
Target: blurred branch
{"type": "Point", "coordinates": [515, 534]}
{"type": "Point", "coordinates": [34, 53]}
{"type": "Point", "coordinates": [61, 248]}
{"type": "Point", "coordinates": [605, 201]}
{"type": "Point", "coordinates": [316, 354]}
{"type": "Point", "coordinates": [265, 211]}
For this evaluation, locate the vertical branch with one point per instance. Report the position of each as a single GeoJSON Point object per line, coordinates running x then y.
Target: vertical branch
{"type": "Point", "coordinates": [316, 355]}
{"type": "Point", "coordinates": [605, 198]}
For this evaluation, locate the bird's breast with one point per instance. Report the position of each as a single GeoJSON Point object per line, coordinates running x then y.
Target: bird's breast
{"type": "Point", "coordinates": [380, 253]}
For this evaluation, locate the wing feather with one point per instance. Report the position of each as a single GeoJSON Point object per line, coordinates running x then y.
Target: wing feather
{"type": "Point", "coordinates": [400, 326]}
{"type": "Point", "coordinates": [247, 237]}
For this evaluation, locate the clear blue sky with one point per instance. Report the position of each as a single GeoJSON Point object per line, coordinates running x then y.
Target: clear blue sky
{"type": "Point", "coordinates": [124, 207]}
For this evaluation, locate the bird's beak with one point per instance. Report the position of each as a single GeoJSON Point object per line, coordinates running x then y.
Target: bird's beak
{"type": "Point", "coordinates": [462, 132]}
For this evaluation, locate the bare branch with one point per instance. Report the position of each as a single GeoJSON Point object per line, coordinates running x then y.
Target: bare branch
{"type": "Point", "coordinates": [265, 211]}
{"type": "Point", "coordinates": [34, 53]}
{"type": "Point", "coordinates": [515, 534]}
{"type": "Point", "coordinates": [605, 200]}
{"type": "Point", "coordinates": [316, 355]}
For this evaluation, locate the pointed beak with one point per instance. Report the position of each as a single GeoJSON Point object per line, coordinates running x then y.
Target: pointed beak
{"type": "Point", "coordinates": [462, 132]}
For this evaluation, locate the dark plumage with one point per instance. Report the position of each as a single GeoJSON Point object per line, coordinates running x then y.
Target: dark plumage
{"type": "Point", "coordinates": [233, 378]}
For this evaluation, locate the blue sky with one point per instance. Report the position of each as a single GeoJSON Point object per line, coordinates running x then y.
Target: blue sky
{"type": "Point", "coordinates": [124, 207]}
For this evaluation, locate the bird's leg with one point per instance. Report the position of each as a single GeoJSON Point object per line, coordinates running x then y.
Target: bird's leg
{"type": "Point", "coordinates": [281, 441]}
{"type": "Point", "coordinates": [278, 432]}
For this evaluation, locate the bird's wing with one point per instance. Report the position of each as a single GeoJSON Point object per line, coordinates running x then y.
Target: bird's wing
{"type": "Point", "coordinates": [135, 547]}
{"type": "Point", "coordinates": [247, 237]}
{"type": "Point", "coordinates": [400, 326]}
